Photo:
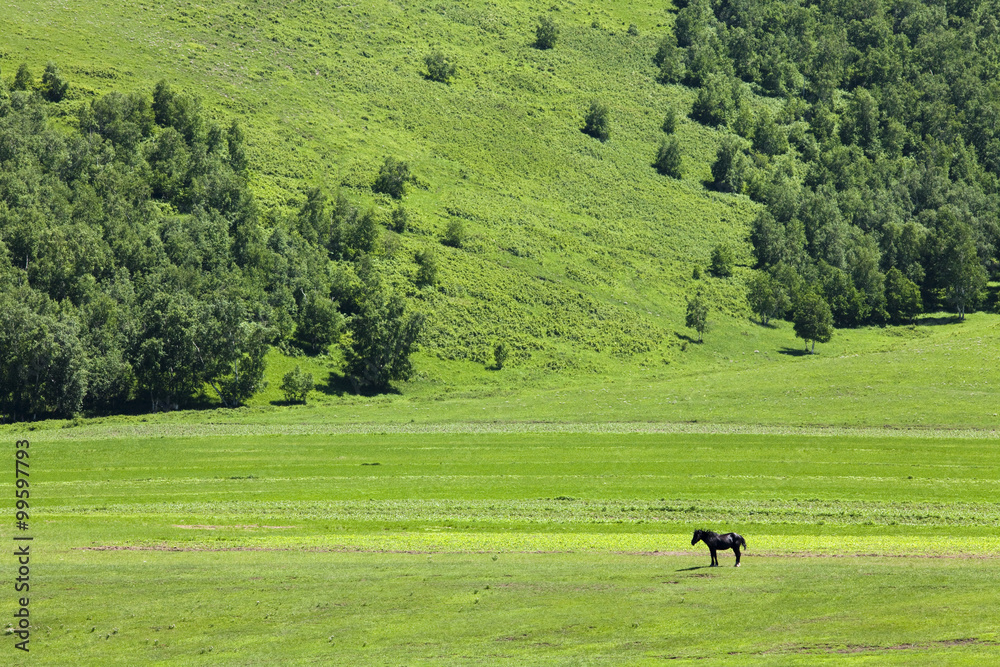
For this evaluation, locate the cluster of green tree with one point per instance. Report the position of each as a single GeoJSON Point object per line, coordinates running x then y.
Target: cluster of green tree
{"type": "Point", "coordinates": [879, 171]}
{"type": "Point", "coordinates": [135, 264]}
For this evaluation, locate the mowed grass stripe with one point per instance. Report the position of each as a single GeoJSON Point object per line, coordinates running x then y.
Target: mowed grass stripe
{"type": "Point", "coordinates": [515, 466]}
{"type": "Point", "coordinates": [441, 540]}
{"type": "Point", "coordinates": [564, 511]}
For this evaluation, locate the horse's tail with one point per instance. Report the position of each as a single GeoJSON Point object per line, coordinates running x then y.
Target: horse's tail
{"type": "Point", "coordinates": [743, 541]}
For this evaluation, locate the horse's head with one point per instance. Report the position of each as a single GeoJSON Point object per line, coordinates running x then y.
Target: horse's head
{"type": "Point", "coordinates": [697, 536]}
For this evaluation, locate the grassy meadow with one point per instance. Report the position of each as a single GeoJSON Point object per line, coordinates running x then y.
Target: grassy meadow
{"type": "Point", "coordinates": [459, 548]}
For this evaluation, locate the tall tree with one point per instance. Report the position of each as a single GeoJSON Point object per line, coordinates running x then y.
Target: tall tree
{"type": "Point", "coordinates": [766, 296]}
{"type": "Point", "coordinates": [383, 335]}
{"type": "Point", "coordinates": [696, 315]}
{"type": "Point", "coordinates": [813, 320]}
{"type": "Point", "coordinates": [902, 297]}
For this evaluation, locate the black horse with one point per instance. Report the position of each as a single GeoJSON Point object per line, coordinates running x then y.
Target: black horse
{"type": "Point", "coordinates": [716, 542]}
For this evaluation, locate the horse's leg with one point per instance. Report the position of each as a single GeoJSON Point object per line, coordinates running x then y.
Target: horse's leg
{"type": "Point", "coordinates": [715, 557]}
{"type": "Point", "coordinates": [737, 550]}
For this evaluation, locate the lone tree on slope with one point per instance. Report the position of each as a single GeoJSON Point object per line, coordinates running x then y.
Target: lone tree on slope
{"type": "Point", "coordinates": [597, 122]}
{"type": "Point", "coordinates": [546, 33]}
{"type": "Point", "coordinates": [697, 315]}
{"type": "Point", "coordinates": [813, 320]}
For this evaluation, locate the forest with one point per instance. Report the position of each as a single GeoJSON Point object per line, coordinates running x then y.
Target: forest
{"type": "Point", "coordinates": [135, 264]}
{"type": "Point", "coordinates": [877, 160]}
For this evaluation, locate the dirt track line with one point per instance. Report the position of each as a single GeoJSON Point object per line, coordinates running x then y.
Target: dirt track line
{"type": "Point", "coordinates": [345, 549]}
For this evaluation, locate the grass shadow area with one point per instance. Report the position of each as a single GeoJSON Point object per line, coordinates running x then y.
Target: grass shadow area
{"type": "Point", "coordinates": [930, 321]}
{"type": "Point", "coordinates": [794, 352]}
{"type": "Point", "coordinates": [339, 384]}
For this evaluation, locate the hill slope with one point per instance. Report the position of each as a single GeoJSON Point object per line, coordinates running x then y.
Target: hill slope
{"type": "Point", "coordinates": [577, 250]}
{"type": "Point", "coordinates": [578, 254]}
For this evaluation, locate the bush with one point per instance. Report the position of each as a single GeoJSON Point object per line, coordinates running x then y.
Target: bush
{"type": "Point", "coordinates": [902, 297]}
{"type": "Point", "coordinates": [454, 233]}
{"type": "Point", "coordinates": [427, 267]}
{"type": "Point", "coordinates": [364, 235]}
{"type": "Point", "coordinates": [597, 121]}
{"type": "Point", "coordinates": [400, 219]}
{"type": "Point", "coordinates": [668, 158]}
{"type": "Point", "coordinates": [731, 167]}
{"type": "Point", "coordinates": [768, 137]}
{"type": "Point", "coordinates": [319, 323]}
{"type": "Point", "coordinates": [53, 87]}
{"type": "Point", "coordinates": [722, 261]}
{"type": "Point", "coordinates": [440, 67]}
{"type": "Point", "coordinates": [633, 30]}
{"type": "Point", "coordinates": [716, 102]}
{"type": "Point", "coordinates": [766, 296]}
{"type": "Point", "coordinates": [813, 320]}
{"type": "Point", "coordinates": [500, 354]}
{"type": "Point", "coordinates": [296, 385]}
{"type": "Point", "coordinates": [392, 178]}
{"type": "Point", "coordinates": [546, 33]}
{"type": "Point", "coordinates": [23, 79]}
{"type": "Point", "coordinates": [669, 121]}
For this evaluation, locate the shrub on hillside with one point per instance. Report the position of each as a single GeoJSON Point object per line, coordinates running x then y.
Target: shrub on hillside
{"type": "Point", "coordinates": [768, 137]}
{"type": "Point", "coordinates": [696, 315]}
{"type": "Point", "coordinates": [669, 121]}
{"type": "Point", "coordinates": [722, 261]}
{"type": "Point", "coordinates": [53, 87]}
{"type": "Point", "coordinates": [731, 167]}
{"type": "Point", "coordinates": [383, 335]}
{"type": "Point", "coordinates": [668, 158]}
{"type": "Point", "coordinates": [23, 79]}
{"type": "Point", "coordinates": [670, 59]}
{"type": "Point", "coordinates": [427, 266]}
{"type": "Point", "coordinates": [500, 354]}
{"type": "Point", "coordinates": [546, 33]}
{"type": "Point", "coordinates": [400, 219]}
{"type": "Point", "coordinates": [296, 385]}
{"type": "Point", "coordinates": [440, 67]}
{"type": "Point", "coordinates": [392, 178]}
{"type": "Point", "coordinates": [597, 122]}
{"type": "Point", "coordinates": [454, 233]}
{"type": "Point", "coordinates": [319, 323]}
{"type": "Point", "coordinates": [813, 320]}
{"type": "Point", "coordinates": [902, 297]}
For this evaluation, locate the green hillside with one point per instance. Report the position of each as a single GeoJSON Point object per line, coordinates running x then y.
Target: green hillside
{"type": "Point", "coordinates": [578, 250]}
{"type": "Point", "coordinates": [577, 254]}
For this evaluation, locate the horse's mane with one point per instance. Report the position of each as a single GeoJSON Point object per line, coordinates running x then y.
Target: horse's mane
{"type": "Point", "coordinates": [707, 533]}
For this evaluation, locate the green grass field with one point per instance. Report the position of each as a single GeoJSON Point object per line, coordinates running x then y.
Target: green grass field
{"type": "Point", "coordinates": [527, 547]}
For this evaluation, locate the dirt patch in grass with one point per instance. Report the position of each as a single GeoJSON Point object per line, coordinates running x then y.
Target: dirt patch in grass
{"type": "Point", "coordinates": [871, 648]}
{"type": "Point", "coordinates": [808, 554]}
